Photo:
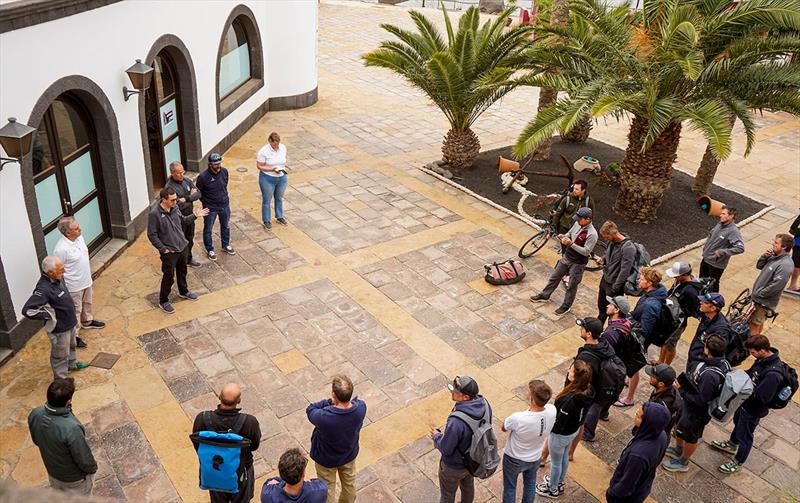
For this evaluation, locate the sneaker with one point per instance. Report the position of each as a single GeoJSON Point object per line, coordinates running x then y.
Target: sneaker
{"type": "Point", "coordinates": [80, 343]}
{"type": "Point", "coordinates": [539, 297]}
{"type": "Point", "coordinates": [677, 465]}
{"type": "Point", "coordinates": [167, 308]}
{"type": "Point", "coordinates": [546, 480]}
{"type": "Point", "coordinates": [673, 452]}
{"type": "Point", "coordinates": [545, 490]}
{"type": "Point", "coordinates": [193, 263]}
{"type": "Point", "coordinates": [282, 221]}
{"type": "Point", "coordinates": [730, 467]}
{"type": "Point", "coordinates": [725, 446]}
{"type": "Point", "coordinates": [267, 225]}
{"type": "Point", "coordinates": [80, 366]}
{"type": "Point", "coordinates": [587, 438]}
{"type": "Point", "coordinates": [188, 296]}
{"type": "Point", "coordinates": [212, 255]}
{"type": "Point", "coordinates": [229, 250]}
{"type": "Point", "coordinates": [93, 324]}
{"type": "Point", "coordinates": [605, 417]}
{"type": "Point", "coordinates": [561, 311]}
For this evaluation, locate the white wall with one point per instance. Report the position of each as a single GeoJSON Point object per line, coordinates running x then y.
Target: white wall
{"type": "Point", "coordinates": [99, 45]}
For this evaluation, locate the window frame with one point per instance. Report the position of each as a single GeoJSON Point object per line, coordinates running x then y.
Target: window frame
{"type": "Point", "coordinates": [246, 20]}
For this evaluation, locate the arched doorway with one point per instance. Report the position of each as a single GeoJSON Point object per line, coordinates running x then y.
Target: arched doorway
{"type": "Point", "coordinates": [163, 120]}
{"type": "Point", "coordinates": [66, 172]}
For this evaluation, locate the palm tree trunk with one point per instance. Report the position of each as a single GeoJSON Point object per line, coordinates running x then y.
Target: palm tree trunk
{"type": "Point", "coordinates": [580, 133]}
{"type": "Point", "coordinates": [460, 148]}
{"type": "Point", "coordinates": [708, 168]}
{"type": "Point", "coordinates": [645, 176]}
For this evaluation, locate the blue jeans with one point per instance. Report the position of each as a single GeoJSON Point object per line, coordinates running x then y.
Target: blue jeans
{"type": "Point", "coordinates": [224, 215]}
{"type": "Point", "coordinates": [512, 467]}
{"type": "Point", "coordinates": [742, 435]}
{"type": "Point", "coordinates": [559, 457]}
{"type": "Point", "coordinates": [272, 186]}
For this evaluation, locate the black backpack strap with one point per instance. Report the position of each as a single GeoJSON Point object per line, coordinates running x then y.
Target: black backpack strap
{"type": "Point", "coordinates": [499, 274]}
{"type": "Point", "coordinates": [207, 421]}
{"type": "Point", "coordinates": [237, 426]}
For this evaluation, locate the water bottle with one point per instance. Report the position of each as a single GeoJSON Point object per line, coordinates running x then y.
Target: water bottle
{"type": "Point", "coordinates": [785, 393]}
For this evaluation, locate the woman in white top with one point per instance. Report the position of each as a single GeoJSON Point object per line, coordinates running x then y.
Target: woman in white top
{"type": "Point", "coordinates": [272, 179]}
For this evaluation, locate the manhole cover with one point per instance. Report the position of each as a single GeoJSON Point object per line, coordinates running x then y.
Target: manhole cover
{"type": "Point", "coordinates": [241, 170]}
{"type": "Point", "coordinates": [104, 360]}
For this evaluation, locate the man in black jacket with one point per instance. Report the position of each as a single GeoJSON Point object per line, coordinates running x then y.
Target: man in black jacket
{"type": "Point", "coordinates": [617, 264]}
{"type": "Point", "coordinates": [767, 376]}
{"type": "Point", "coordinates": [686, 290]}
{"type": "Point", "coordinates": [712, 321]}
{"type": "Point", "coordinates": [594, 352]}
{"type": "Point", "coordinates": [213, 185]}
{"type": "Point", "coordinates": [223, 419]}
{"type": "Point", "coordinates": [698, 390]}
{"type": "Point", "coordinates": [187, 193]}
{"type": "Point", "coordinates": [662, 378]}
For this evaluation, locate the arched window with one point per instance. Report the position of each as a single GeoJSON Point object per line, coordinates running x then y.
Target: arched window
{"type": "Point", "coordinates": [240, 68]}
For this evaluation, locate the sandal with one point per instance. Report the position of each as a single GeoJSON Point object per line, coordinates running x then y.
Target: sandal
{"type": "Point", "coordinates": [623, 403]}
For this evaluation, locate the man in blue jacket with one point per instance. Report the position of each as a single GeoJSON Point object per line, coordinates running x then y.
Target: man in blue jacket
{"type": "Point", "coordinates": [213, 186]}
{"type": "Point", "coordinates": [636, 470]}
{"type": "Point", "coordinates": [334, 443]}
{"type": "Point", "coordinates": [767, 375]}
{"type": "Point", "coordinates": [291, 486]}
{"type": "Point", "coordinates": [712, 321]}
{"type": "Point", "coordinates": [456, 439]}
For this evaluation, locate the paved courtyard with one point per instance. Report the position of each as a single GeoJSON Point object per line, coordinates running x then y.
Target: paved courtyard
{"type": "Point", "coordinates": [378, 276]}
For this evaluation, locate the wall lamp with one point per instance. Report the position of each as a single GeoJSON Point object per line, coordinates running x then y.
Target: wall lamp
{"type": "Point", "coordinates": [140, 76]}
{"type": "Point", "coordinates": [16, 140]}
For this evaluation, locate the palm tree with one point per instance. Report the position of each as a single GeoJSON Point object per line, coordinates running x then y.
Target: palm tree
{"type": "Point", "coordinates": [650, 65]}
{"type": "Point", "coordinates": [462, 74]}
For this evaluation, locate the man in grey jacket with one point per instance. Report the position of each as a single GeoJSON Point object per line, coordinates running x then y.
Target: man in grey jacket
{"type": "Point", "coordinates": [776, 269]}
{"type": "Point", "coordinates": [61, 440]}
{"type": "Point", "coordinates": [187, 194]}
{"type": "Point", "coordinates": [724, 241]}
{"type": "Point", "coordinates": [578, 244]}
{"type": "Point", "coordinates": [618, 263]}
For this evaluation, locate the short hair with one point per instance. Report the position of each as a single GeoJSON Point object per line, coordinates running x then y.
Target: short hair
{"type": "Point", "coordinates": [730, 209]}
{"type": "Point", "coordinates": [173, 165]}
{"type": "Point", "coordinates": [540, 392]}
{"type": "Point", "coordinates": [583, 183]}
{"type": "Point", "coordinates": [166, 192]}
{"type": "Point", "coordinates": [757, 343]}
{"type": "Point", "coordinates": [292, 465]}
{"type": "Point", "coordinates": [60, 392]}
{"type": "Point", "coordinates": [787, 241]}
{"type": "Point", "coordinates": [49, 263]}
{"type": "Point", "coordinates": [65, 224]}
{"type": "Point", "coordinates": [652, 275]}
{"type": "Point", "coordinates": [342, 387]}
{"type": "Point", "coordinates": [273, 136]}
{"type": "Point", "coordinates": [716, 345]}
{"type": "Point", "coordinates": [608, 227]}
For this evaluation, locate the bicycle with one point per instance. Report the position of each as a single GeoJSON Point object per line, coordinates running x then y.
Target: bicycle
{"type": "Point", "coordinates": [743, 307]}
{"type": "Point", "coordinates": [538, 240]}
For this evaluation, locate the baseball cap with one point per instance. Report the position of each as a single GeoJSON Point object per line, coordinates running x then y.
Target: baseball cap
{"type": "Point", "coordinates": [713, 298]}
{"type": "Point", "coordinates": [592, 325]}
{"type": "Point", "coordinates": [621, 303]}
{"type": "Point", "coordinates": [464, 384]}
{"type": "Point", "coordinates": [582, 213]}
{"type": "Point", "coordinates": [662, 372]}
{"type": "Point", "coordinates": [215, 158]}
{"type": "Point", "coordinates": [678, 269]}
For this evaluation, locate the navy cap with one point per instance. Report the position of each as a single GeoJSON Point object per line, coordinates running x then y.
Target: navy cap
{"type": "Point", "coordinates": [215, 158]}
{"type": "Point", "coordinates": [713, 298]}
{"type": "Point", "coordinates": [582, 213]}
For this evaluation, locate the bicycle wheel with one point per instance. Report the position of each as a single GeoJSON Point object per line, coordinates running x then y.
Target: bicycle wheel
{"type": "Point", "coordinates": [534, 244]}
{"type": "Point", "coordinates": [598, 253]}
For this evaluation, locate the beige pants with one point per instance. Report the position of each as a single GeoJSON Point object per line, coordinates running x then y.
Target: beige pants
{"type": "Point", "coordinates": [80, 487]}
{"type": "Point", "coordinates": [83, 304]}
{"type": "Point", "coordinates": [347, 477]}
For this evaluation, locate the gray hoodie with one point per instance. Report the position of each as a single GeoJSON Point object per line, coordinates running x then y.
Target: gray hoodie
{"type": "Point", "coordinates": [775, 274]}
{"type": "Point", "coordinates": [727, 240]}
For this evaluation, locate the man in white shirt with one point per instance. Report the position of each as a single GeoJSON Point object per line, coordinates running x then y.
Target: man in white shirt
{"type": "Point", "coordinates": [72, 250]}
{"type": "Point", "coordinates": [272, 179]}
{"type": "Point", "coordinates": [527, 432]}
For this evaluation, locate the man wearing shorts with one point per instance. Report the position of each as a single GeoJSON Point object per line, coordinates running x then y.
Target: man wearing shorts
{"type": "Point", "coordinates": [776, 269]}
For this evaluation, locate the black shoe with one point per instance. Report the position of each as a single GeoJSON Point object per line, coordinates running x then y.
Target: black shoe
{"type": "Point", "coordinates": [539, 297]}
{"type": "Point", "coordinates": [79, 343]}
{"type": "Point", "coordinates": [282, 221]}
{"type": "Point", "coordinates": [188, 296]}
{"type": "Point", "coordinates": [604, 417]}
{"type": "Point", "coordinates": [167, 308]}
{"type": "Point", "coordinates": [93, 324]}
{"type": "Point", "coordinates": [229, 250]}
{"type": "Point", "coordinates": [193, 263]}
{"type": "Point", "coordinates": [562, 310]}
{"type": "Point", "coordinates": [587, 438]}
{"type": "Point", "coordinates": [268, 225]}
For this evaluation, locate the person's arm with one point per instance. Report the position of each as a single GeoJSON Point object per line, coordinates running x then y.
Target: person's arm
{"type": "Point", "coordinates": [33, 308]}
{"type": "Point", "coordinates": [649, 318]}
{"type": "Point", "coordinates": [626, 264]}
{"type": "Point", "coordinates": [255, 439]}
{"type": "Point", "coordinates": [588, 246]}
{"type": "Point", "coordinates": [762, 261]}
{"type": "Point", "coordinates": [508, 424]}
{"type": "Point", "coordinates": [152, 234]}
{"type": "Point", "coordinates": [314, 411]}
{"type": "Point", "coordinates": [777, 282]}
{"type": "Point", "coordinates": [447, 442]}
{"type": "Point", "coordinates": [82, 454]}
{"type": "Point", "coordinates": [562, 205]}
{"type": "Point", "coordinates": [736, 245]}
{"type": "Point", "coordinates": [631, 469]}
{"type": "Point", "coordinates": [707, 387]}
{"type": "Point", "coordinates": [194, 192]}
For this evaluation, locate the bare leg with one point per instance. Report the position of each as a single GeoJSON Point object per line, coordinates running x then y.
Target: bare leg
{"type": "Point", "coordinates": [632, 384]}
{"type": "Point", "coordinates": [794, 284]}
{"type": "Point", "coordinates": [575, 442]}
{"type": "Point", "coordinates": [545, 453]}
{"type": "Point", "coordinates": [667, 355]}
{"type": "Point", "coordinates": [688, 450]}
{"type": "Point", "coordinates": [756, 329]}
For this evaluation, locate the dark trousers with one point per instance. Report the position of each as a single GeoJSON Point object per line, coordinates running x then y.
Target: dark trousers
{"type": "Point", "coordinates": [224, 215]}
{"type": "Point", "coordinates": [563, 268]}
{"type": "Point", "coordinates": [188, 232]}
{"type": "Point", "coordinates": [742, 434]}
{"type": "Point", "coordinates": [595, 412]}
{"type": "Point", "coordinates": [604, 290]}
{"type": "Point", "coordinates": [709, 271]}
{"type": "Point", "coordinates": [245, 493]}
{"type": "Point", "coordinates": [451, 479]}
{"type": "Point", "coordinates": [170, 264]}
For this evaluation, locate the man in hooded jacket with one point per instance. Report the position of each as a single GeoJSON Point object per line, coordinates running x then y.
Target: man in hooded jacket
{"type": "Point", "coordinates": [633, 478]}
{"type": "Point", "coordinates": [594, 351]}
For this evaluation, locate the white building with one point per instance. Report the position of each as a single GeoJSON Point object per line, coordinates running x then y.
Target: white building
{"type": "Point", "coordinates": [219, 66]}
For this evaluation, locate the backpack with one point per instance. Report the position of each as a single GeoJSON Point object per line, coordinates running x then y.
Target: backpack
{"type": "Point", "coordinates": [629, 348]}
{"type": "Point", "coordinates": [703, 285]}
{"type": "Point", "coordinates": [670, 319]}
{"type": "Point", "coordinates": [736, 388]}
{"type": "Point", "coordinates": [789, 388]}
{"type": "Point", "coordinates": [642, 259]}
{"type": "Point", "coordinates": [611, 379]}
{"type": "Point", "coordinates": [220, 455]}
{"type": "Point", "coordinates": [504, 273]}
{"type": "Point", "coordinates": [482, 458]}
{"type": "Point", "coordinates": [735, 352]}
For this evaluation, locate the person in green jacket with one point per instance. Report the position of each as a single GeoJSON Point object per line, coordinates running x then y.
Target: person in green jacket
{"type": "Point", "coordinates": [569, 204]}
{"type": "Point", "coordinates": [62, 440]}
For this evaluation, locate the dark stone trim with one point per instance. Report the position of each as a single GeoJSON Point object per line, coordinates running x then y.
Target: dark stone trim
{"type": "Point", "coordinates": [304, 100]}
{"type": "Point", "coordinates": [187, 94]}
{"type": "Point", "coordinates": [108, 148]}
{"type": "Point", "coordinates": [7, 316]}
{"type": "Point", "coordinates": [235, 99]}
{"type": "Point", "coordinates": [24, 13]}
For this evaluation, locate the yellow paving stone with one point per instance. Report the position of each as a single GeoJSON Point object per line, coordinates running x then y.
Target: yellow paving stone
{"type": "Point", "coordinates": [482, 287]}
{"type": "Point", "coordinates": [504, 409]}
{"type": "Point", "coordinates": [142, 388]}
{"type": "Point", "coordinates": [30, 469]}
{"type": "Point", "coordinates": [182, 469]}
{"type": "Point", "coordinates": [356, 205]}
{"type": "Point", "coordinates": [536, 360]}
{"type": "Point", "coordinates": [89, 398]}
{"type": "Point", "coordinates": [290, 361]}
{"type": "Point", "coordinates": [12, 437]}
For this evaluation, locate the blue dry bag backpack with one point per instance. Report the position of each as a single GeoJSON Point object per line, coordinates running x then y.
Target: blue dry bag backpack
{"type": "Point", "coordinates": [220, 455]}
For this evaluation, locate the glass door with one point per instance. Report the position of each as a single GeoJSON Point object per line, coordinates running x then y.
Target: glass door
{"type": "Point", "coordinates": [163, 121]}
